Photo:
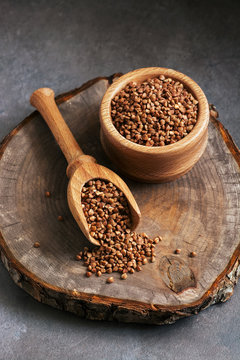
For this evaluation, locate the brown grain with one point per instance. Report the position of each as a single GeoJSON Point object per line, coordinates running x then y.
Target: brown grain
{"type": "Point", "coordinates": [158, 112]}
{"type": "Point", "coordinates": [192, 254]}
{"type": "Point", "coordinates": [177, 251]}
{"type": "Point", "coordinates": [124, 276]}
{"type": "Point", "coordinates": [108, 216]}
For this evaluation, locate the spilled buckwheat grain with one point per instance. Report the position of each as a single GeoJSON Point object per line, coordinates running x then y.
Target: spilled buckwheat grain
{"type": "Point", "coordinates": [158, 112]}
{"type": "Point", "coordinates": [121, 250]}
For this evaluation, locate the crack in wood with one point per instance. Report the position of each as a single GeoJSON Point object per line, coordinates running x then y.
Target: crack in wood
{"type": "Point", "coordinates": [12, 224]}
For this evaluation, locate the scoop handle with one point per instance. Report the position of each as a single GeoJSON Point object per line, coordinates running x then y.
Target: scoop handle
{"type": "Point", "coordinates": [43, 100]}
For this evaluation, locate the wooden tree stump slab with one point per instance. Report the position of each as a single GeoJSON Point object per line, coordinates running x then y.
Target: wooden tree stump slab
{"type": "Point", "coordinates": [199, 212]}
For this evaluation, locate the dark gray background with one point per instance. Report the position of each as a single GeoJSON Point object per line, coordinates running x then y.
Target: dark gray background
{"type": "Point", "coordinates": [62, 44]}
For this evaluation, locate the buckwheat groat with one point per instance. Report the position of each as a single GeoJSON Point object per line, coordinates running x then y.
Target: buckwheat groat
{"type": "Point", "coordinates": [121, 250]}
{"type": "Point", "coordinates": [157, 112]}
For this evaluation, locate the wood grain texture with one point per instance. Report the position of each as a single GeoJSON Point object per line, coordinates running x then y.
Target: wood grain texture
{"type": "Point", "coordinates": [161, 163]}
{"type": "Point", "coordinates": [198, 212]}
{"type": "Point", "coordinates": [43, 100]}
{"type": "Point", "coordinates": [81, 168]}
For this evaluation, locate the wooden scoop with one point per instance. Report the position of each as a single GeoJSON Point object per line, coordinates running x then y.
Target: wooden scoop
{"type": "Point", "coordinates": [81, 168]}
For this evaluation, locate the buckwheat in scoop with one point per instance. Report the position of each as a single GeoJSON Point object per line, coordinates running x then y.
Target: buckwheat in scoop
{"type": "Point", "coordinates": [121, 250]}
{"type": "Point", "coordinates": [158, 112]}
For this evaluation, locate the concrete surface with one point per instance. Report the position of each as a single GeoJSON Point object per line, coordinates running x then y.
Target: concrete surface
{"type": "Point", "coordinates": [62, 44]}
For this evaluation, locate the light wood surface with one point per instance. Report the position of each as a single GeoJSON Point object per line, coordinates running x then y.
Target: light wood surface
{"type": "Point", "coordinates": [198, 212]}
{"type": "Point", "coordinates": [154, 164]}
{"type": "Point", "coordinates": [43, 100]}
{"type": "Point", "coordinates": [81, 167]}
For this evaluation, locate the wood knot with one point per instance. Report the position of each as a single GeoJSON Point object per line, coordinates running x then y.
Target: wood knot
{"type": "Point", "coordinates": [176, 274]}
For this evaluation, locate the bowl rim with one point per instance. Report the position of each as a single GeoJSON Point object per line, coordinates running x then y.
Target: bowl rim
{"type": "Point", "coordinates": [111, 131]}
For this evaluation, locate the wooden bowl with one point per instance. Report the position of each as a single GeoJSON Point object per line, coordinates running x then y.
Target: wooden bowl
{"type": "Point", "coordinates": [160, 163]}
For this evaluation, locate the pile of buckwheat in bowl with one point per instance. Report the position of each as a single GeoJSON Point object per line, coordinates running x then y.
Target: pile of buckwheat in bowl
{"type": "Point", "coordinates": [121, 250]}
{"type": "Point", "coordinates": [158, 112]}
